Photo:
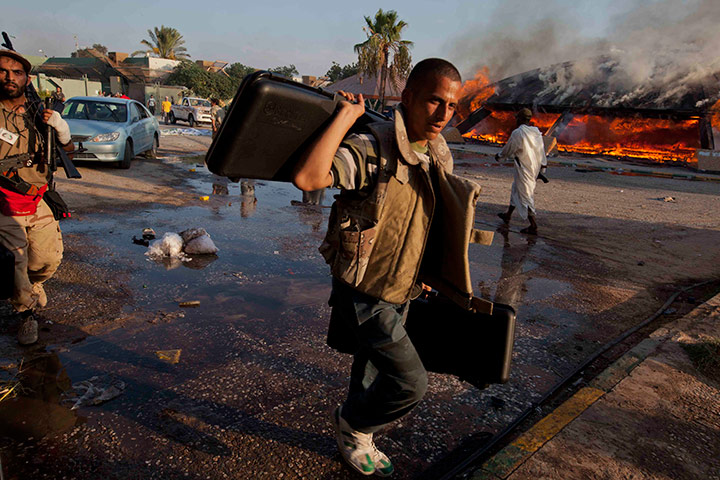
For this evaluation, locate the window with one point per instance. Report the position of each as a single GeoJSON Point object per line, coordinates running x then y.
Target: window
{"type": "Point", "coordinates": [143, 113]}
{"type": "Point", "coordinates": [134, 113]}
{"type": "Point", "coordinates": [95, 111]}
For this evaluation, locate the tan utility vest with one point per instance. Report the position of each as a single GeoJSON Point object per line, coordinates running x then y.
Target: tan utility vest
{"type": "Point", "coordinates": [376, 241]}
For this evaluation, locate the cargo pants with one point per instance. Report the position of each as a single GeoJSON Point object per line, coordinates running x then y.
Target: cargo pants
{"type": "Point", "coordinates": [387, 378]}
{"type": "Point", "coordinates": [36, 242]}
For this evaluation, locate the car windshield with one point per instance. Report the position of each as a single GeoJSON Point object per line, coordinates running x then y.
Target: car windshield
{"type": "Point", "coordinates": [196, 102]}
{"type": "Point", "coordinates": [92, 110]}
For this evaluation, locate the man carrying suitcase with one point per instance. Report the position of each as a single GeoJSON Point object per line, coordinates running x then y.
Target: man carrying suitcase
{"type": "Point", "coordinates": [376, 240]}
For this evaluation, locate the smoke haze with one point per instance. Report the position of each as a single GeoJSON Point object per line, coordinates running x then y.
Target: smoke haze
{"type": "Point", "coordinates": [666, 46]}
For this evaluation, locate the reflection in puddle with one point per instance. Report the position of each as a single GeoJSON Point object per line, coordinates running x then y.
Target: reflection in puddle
{"type": "Point", "coordinates": [511, 285]}
{"type": "Point", "coordinates": [197, 262]}
{"type": "Point", "coordinates": [37, 411]}
{"type": "Point", "coordinates": [220, 189]}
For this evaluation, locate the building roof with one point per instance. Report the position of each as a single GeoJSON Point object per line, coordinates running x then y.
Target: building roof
{"type": "Point", "coordinates": [368, 86]}
{"type": "Point", "coordinates": [605, 86]}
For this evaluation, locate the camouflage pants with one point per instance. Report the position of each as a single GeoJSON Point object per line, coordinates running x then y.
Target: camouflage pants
{"type": "Point", "coordinates": [36, 242]}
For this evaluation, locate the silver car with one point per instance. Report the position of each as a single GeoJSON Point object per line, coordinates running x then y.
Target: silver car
{"type": "Point", "coordinates": [111, 129]}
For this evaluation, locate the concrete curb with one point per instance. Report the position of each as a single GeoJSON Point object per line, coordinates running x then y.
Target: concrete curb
{"type": "Point", "coordinates": [507, 460]}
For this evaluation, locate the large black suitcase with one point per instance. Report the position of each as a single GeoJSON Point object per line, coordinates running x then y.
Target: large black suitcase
{"type": "Point", "coordinates": [270, 122]}
{"type": "Point", "coordinates": [475, 347]}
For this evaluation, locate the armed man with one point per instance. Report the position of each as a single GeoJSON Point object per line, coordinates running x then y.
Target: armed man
{"type": "Point", "coordinates": [28, 227]}
{"type": "Point", "coordinates": [392, 181]}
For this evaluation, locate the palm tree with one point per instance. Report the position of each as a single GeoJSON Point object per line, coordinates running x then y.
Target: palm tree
{"type": "Point", "coordinates": [384, 39]}
{"type": "Point", "coordinates": [165, 42]}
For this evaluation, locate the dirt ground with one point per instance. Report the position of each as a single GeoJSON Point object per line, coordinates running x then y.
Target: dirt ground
{"type": "Point", "coordinates": [609, 253]}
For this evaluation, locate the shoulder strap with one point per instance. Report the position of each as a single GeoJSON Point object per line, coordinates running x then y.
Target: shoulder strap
{"type": "Point", "coordinates": [384, 136]}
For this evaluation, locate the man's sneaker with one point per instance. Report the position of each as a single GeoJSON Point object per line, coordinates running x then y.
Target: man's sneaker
{"type": "Point", "coordinates": [28, 331]}
{"type": "Point", "coordinates": [359, 450]}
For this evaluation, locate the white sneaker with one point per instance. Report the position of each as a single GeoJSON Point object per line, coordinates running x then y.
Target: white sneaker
{"type": "Point", "coordinates": [359, 450]}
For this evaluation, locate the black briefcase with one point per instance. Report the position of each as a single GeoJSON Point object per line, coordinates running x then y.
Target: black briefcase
{"type": "Point", "coordinates": [270, 122]}
{"type": "Point", "coordinates": [475, 347]}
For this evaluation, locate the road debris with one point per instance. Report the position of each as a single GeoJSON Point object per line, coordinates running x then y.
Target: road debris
{"type": "Point", "coordinates": [148, 234]}
{"type": "Point", "coordinates": [668, 199]}
{"type": "Point", "coordinates": [169, 356]}
{"type": "Point", "coordinates": [190, 303]}
{"type": "Point", "coordinates": [196, 241]}
{"type": "Point", "coordinates": [194, 132]}
{"type": "Point", "coordinates": [97, 390]}
{"type": "Point", "coordinates": [140, 241]}
{"type": "Point", "coordinates": [170, 245]}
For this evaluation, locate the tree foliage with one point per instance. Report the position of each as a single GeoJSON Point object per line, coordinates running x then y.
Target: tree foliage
{"type": "Point", "coordinates": [97, 50]}
{"type": "Point", "coordinates": [165, 42]}
{"type": "Point", "coordinates": [337, 72]}
{"type": "Point", "coordinates": [384, 52]}
{"type": "Point", "coordinates": [288, 71]}
{"type": "Point", "coordinates": [239, 71]}
{"type": "Point", "coordinates": [203, 83]}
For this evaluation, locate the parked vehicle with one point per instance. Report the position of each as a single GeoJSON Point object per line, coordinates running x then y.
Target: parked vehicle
{"type": "Point", "coordinates": [191, 110]}
{"type": "Point", "coordinates": [111, 129]}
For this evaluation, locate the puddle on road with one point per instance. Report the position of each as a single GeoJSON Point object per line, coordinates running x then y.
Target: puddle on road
{"type": "Point", "coordinates": [264, 292]}
{"type": "Point", "coordinates": [37, 409]}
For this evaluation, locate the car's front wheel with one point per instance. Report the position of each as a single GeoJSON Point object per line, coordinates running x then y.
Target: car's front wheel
{"type": "Point", "coordinates": [191, 120]}
{"type": "Point", "coordinates": [127, 156]}
{"type": "Point", "coordinates": [152, 153]}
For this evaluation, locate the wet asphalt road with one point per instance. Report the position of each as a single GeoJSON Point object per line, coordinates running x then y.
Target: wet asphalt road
{"type": "Point", "coordinates": [252, 391]}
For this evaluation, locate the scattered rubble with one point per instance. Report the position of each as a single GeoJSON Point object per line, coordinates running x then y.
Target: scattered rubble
{"type": "Point", "coordinates": [169, 356]}
{"type": "Point", "coordinates": [186, 131]}
{"type": "Point", "coordinates": [97, 390]}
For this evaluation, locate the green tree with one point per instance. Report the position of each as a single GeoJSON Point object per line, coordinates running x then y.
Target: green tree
{"type": "Point", "coordinates": [165, 42]}
{"type": "Point", "coordinates": [239, 71]}
{"type": "Point", "coordinates": [203, 83]}
{"type": "Point", "coordinates": [288, 71]}
{"type": "Point", "coordinates": [97, 50]}
{"type": "Point", "coordinates": [337, 72]}
{"type": "Point", "coordinates": [384, 52]}
{"type": "Point", "coordinates": [100, 48]}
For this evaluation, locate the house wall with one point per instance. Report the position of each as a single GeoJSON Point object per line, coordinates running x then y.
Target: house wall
{"type": "Point", "coordinates": [71, 87]}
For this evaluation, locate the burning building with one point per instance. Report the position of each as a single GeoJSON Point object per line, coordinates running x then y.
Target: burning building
{"type": "Point", "coordinates": [591, 107]}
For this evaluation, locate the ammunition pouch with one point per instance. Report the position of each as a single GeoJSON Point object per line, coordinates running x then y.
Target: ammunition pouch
{"type": "Point", "coordinates": [348, 245]}
{"type": "Point", "coordinates": [57, 205]}
{"type": "Point", "coordinates": [16, 204]}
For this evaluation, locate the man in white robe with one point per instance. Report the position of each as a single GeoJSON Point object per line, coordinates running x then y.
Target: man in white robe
{"type": "Point", "coordinates": [527, 148]}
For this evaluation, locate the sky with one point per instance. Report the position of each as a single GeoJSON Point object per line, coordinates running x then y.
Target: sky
{"type": "Point", "coordinates": [310, 35]}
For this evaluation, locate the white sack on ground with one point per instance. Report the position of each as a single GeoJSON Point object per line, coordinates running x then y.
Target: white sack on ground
{"type": "Point", "coordinates": [170, 245]}
{"type": "Point", "coordinates": [192, 233]}
{"type": "Point", "coordinates": [202, 245]}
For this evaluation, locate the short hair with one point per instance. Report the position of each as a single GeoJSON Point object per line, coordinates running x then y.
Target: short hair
{"type": "Point", "coordinates": [524, 115]}
{"type": "Point", "coordinates": [431, 66]}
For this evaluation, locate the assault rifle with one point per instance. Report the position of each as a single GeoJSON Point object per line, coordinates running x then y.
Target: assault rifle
{"type": "Point", "coordinates": [53, 150]}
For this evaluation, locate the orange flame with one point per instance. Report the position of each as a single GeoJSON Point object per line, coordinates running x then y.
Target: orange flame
{"type": "Point", "coordinates": [474, 93]}
{"type": "Point", "coordinates": [637, 137]}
